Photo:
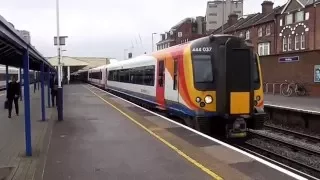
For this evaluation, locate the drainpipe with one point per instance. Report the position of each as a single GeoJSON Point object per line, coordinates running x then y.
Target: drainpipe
{"type": "Point", "coordinates": [314, 24]}
{"type": "Point", "coordinates": [275, 36]}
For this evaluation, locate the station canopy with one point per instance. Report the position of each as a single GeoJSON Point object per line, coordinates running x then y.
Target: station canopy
{"type": "Point", "coordinates": [13, 46]}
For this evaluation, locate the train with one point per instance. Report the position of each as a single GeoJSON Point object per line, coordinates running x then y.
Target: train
{"type": "Point", "coordinates": [213, 83]}
{"type": "Point", "coordinates": [14, 72]}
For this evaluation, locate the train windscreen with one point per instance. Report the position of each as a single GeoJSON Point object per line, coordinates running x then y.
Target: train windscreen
{"type": "Point", "coordinates": [202, 69]}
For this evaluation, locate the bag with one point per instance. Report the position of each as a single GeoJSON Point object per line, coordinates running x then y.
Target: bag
{"type": "Point", "coordinates": [6, 105]}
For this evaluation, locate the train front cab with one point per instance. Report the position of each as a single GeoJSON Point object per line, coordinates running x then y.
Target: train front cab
{"type": "Point", "coordinates": [236, 87]}
{"type": "Point", "coordinates": [239, 87]}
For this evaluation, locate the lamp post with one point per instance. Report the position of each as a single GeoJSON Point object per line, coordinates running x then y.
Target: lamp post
{"type": "Point", "coordinates": [59, 41]}
{"type": "Point", "coordinates": [124, 52]}
{"type": "Point", "coordinates": [152, 41]}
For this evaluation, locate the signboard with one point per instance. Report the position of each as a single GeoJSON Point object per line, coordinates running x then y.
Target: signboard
{"type": "Point", "coordinates": [62, 40]}
{"type": "Point", "coordinates": [288, 59]}
{"type": "Point", "coordinates": [316, 73]}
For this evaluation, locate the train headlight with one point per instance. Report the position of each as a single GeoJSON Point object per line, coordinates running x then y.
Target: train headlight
{"type": "Point", "coordinates": [208, 99]}
{"type": "Point", "coordinates": [258, 98]}
{"type": "Point", "coordinates": [198, 99]}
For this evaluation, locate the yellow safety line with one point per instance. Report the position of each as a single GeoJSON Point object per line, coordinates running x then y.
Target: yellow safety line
{"type": "Point", "coordinates": [203, 168]}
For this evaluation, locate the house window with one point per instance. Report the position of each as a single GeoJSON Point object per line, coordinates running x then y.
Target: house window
{"type": "Point", "coordinates": [248, 34]}
{"type": "Point", "coordinates": [288, 19]}
{"type": "Point", "coordinates": [280, 22]}
{"type": "Point", "coordinates": [260, 32]}
{"type": "Point", "coordinates": [297, 42]}
{"type": "Point", "coordinates": [268, 30]}
{"type": "Point", "coordinates": [264, 49]}
{"type": "Point", "coordinates": [307, 16]}
{"type": "Point", "coordinates": [299, 16]}
{"type": "Point", "coordinates": [285, 44]}
{"type": "Point", "coordinates": [303, 41]}
{"type": "Point", "coordinates": [289, 43]}
{"type": "Point", "coordinates": [212, 14]}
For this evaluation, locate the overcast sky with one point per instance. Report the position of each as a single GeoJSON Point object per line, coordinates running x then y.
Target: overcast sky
{"type": "Point", "coordinates": [104, 28]}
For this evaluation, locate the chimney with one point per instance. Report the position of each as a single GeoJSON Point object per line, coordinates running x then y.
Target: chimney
{"type": "Point", "coordinates": [267, 7]}
{"type": "Point", "coordinates": [233, 18]}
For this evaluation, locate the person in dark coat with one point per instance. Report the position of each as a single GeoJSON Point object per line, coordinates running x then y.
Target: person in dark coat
{"type": "Point", "coordinates": [54, 89]}
{"type": "Point", "coordinates": [13, 94]}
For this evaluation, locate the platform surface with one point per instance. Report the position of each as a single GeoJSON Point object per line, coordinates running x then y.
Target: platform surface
{"type": "Point", "coordinates": [299, 103]}
{"type": "Point", "coordinates": [13, 162]}
{"type": "Point", "coordinates": [97, 140]}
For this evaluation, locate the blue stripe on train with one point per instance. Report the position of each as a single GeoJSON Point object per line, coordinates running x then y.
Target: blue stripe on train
{"type": "Point", "coordinates": [172, 107]}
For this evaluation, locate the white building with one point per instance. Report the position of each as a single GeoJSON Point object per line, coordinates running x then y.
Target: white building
{"type": "Point", "coordinates": [216, 9]}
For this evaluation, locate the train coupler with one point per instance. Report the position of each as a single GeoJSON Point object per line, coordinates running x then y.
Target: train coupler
{"type": "Point", "coordinates": [237, 129]}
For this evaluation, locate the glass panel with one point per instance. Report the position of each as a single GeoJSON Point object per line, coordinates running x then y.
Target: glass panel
{"type": "Point", "coordinates": [202, 68]}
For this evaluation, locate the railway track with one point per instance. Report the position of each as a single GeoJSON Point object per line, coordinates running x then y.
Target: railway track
{"type": "Point", "coordinates": [294, 133]}
{"type": "Point", "coordinates": [286, 152]}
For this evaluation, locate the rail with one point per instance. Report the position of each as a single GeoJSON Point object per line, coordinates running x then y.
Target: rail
{"type": "Point", "coordinates": [274, 86]}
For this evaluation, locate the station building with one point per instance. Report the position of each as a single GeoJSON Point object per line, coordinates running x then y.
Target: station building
{"type": "Point", "coordinates": [287, 39]}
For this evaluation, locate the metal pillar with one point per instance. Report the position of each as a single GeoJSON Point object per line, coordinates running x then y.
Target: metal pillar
{"type": "Point", "coordinates": [43, 107]}
{"type": "Point", "coordinates": [21, 84]}
{"type": "Point", "coordinates": [68, 74]}
{"type": "Point", "coordinates": [48, 82]}
{"type": "Point", "coordinates": [35, 81]}
{"type": "Point", "coordinates": [7, 76]}
{"type": "Point", "coordinates": [60, 90]}
{"type": "Point", "coordinates": [27, 102]}
{"type": "Point", "coordinates": [38, 80]}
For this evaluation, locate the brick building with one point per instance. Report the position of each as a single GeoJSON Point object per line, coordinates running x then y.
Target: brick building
{"type": "Point", "coordinates": [186, 30]}
{"type": "Point", "coordinates": [287, 38]}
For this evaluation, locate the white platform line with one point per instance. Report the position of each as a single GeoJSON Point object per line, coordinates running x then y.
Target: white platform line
{"type": "Point", "coordinates": [285, 171]}
{"type": "Point", "coordinates": [292, 108]}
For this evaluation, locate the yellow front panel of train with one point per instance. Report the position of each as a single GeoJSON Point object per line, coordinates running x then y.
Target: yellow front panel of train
{"type": "Point", "coordinates": [239, 102]}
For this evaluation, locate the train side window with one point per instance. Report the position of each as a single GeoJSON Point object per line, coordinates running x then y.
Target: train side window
{"type": "Point", "coordinates": [149, 75]}
{"type": "Point", "coordinates": [175, 74]}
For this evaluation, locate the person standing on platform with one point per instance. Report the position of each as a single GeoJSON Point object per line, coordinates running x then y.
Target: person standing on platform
{"type": "Point", "coordinates": [13, 94]}
{"type": "Point", "coordinates": [54, 89]}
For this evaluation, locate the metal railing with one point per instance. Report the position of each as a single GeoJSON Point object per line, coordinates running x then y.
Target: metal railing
{"type": "Point", "coordinates": [274, 86]}
{"type": "Point", "coordinates": [277, 85]}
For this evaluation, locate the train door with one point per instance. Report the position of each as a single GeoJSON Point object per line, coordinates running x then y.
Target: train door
{"type": "Point", "coordinates": [239, 84]}
{"type": "Point", "coordinates": [175, 79]}
{"type": "Point", "coordinates": [160, 85]}
{"type": "Point", "coordinates": [106, 80]}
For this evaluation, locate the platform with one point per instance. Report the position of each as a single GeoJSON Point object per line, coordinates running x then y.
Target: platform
{"type": "Point", "coordinates": [13, 161]}
{"type": "Point", "coordinates": [104, 137]}
{"type": "Point", "coordinates": [303, 103]}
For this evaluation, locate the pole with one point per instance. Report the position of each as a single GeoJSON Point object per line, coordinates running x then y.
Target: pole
{"type": "Point", "coordinates": [152, 42]}
{"type": "Point", "coordinates": [48, 82]}
{"type": "Point", "coordinates": [59, 103]}
{"type": "Point", "coordinates": [222, 27]}
{"type": "Point", "coordinates": [21, 84]}
{"type": "Point", "coordinates": [27, 102]}
{"type": "Point", "coordinates": [43, 108]}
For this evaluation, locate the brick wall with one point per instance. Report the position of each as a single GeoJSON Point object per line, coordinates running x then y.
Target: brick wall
{"type": "Point", "coordinates": [301, 71]}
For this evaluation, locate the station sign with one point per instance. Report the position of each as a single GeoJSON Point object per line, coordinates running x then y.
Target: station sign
{"type": "Point", "coordinates": [288, 59]}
